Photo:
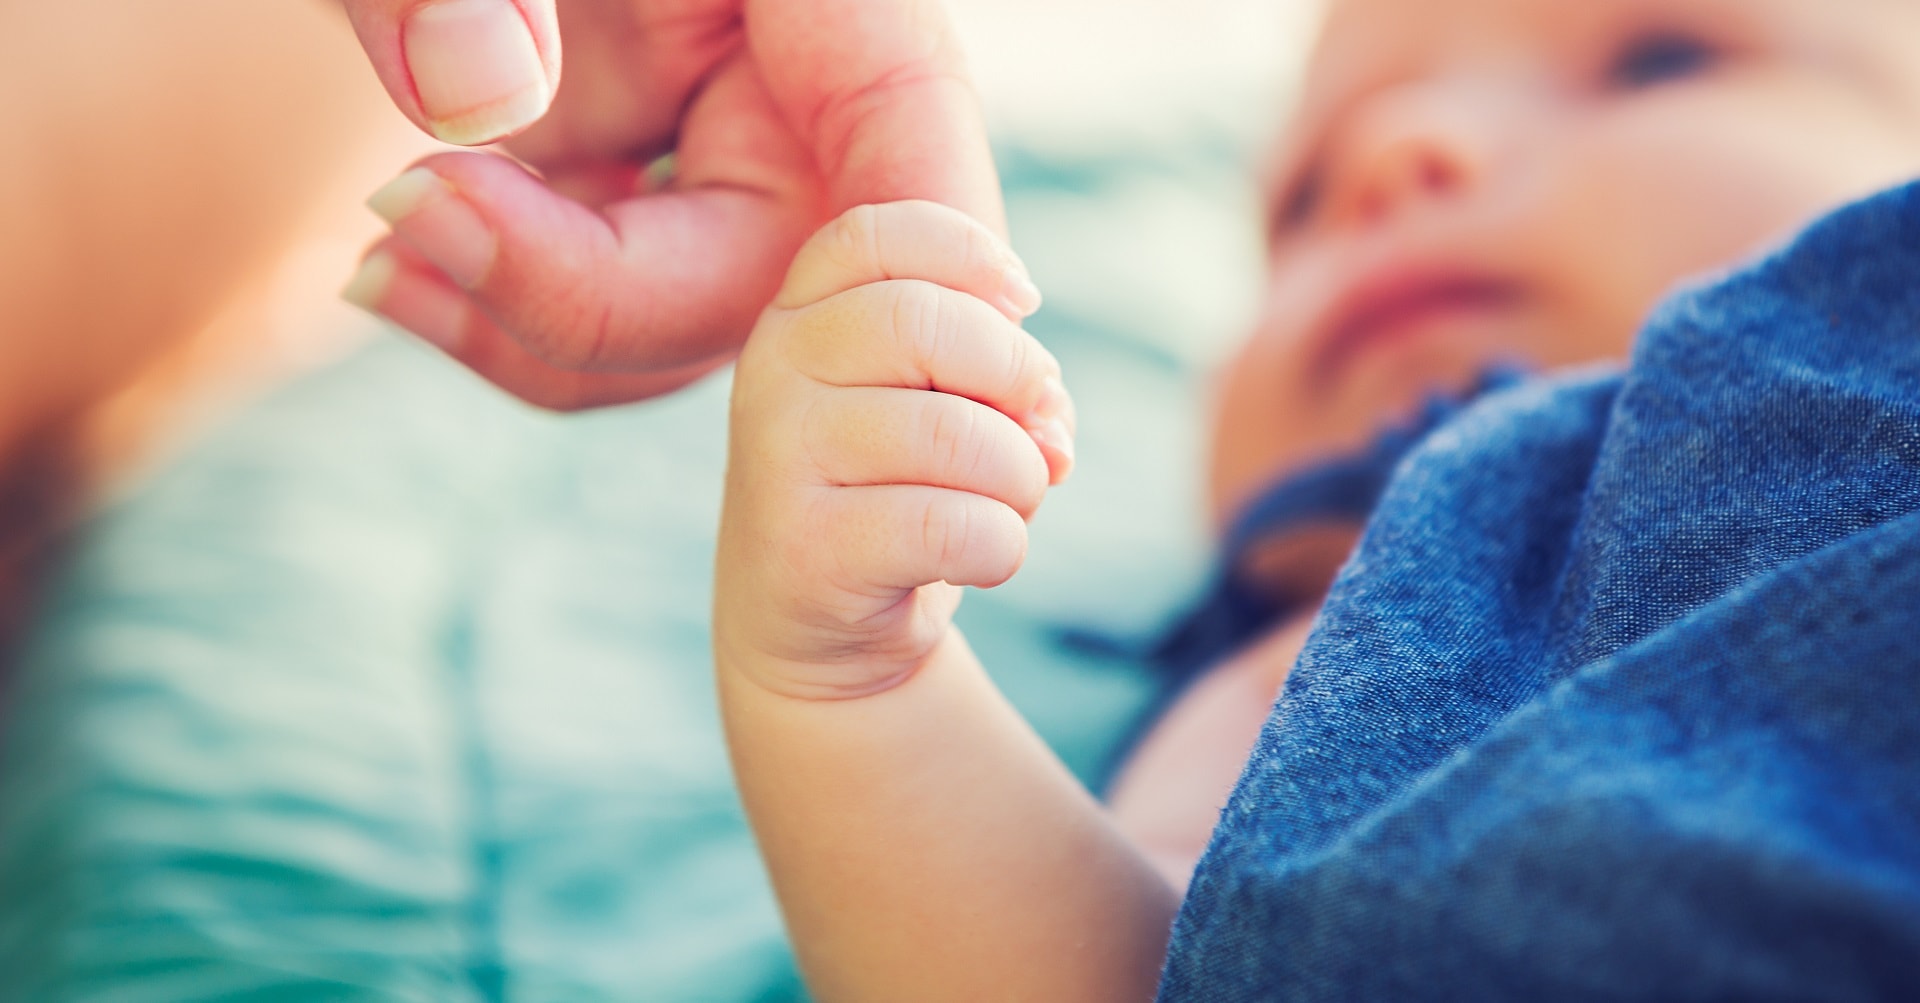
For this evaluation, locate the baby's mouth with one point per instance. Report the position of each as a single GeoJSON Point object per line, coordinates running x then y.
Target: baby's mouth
{"type": "Point", "coordinates": [1394, 305]}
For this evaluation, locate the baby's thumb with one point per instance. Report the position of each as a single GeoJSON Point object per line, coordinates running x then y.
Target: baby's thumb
{"type": "Point", "coordinates": [466, 71]}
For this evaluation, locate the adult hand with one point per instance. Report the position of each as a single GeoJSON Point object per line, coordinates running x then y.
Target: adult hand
{"type": "Point", "coordinates": [595, 280]}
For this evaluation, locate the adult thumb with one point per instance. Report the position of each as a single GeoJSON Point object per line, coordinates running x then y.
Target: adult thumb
{"type": "Point", "coordinates": [466, 71]}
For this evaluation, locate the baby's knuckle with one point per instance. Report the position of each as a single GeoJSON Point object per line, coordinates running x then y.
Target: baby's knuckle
{"type": "Point", "coordinates": [811, 338]}
{"type": "Point", "coordinates": [817, 432]}
{"type": "Point", "coordinates": [957, 435]}
{"type": "Point", "coordinates": [944, 529]}
{"type": "Point", "coordinates": [919, 319]}
{"type": "Point", "coordinates": [1017, 357]}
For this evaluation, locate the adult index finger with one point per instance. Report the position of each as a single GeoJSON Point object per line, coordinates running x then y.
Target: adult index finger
{"type": "Point", "coordinates": [880, 91]}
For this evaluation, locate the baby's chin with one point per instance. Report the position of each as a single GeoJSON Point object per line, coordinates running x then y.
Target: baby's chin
{"type": "Point", "coordinates": [1345, 411]}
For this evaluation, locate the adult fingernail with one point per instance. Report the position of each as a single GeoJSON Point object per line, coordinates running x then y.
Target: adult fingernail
{"type": "Point", "coordinates": [427, 213]}
{"type": "Point", "coordinates": [427, 307]}
{"type": "Point", "coordinates": [1018, 291]}
{"type": "Point", "coordinates": [370, 281]}
{"type": "Point", "coordinates": [475, 68]}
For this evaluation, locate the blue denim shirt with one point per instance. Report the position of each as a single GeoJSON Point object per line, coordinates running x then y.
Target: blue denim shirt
{"type": "Point", "coordinates": [1619, 697]}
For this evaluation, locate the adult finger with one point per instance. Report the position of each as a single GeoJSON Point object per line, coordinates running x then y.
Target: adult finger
{"type": "Point", "coordinates": [880, 91]}
{"type": "Point", "coordinates": [656, 281]}
{"type": "Point", "coordinates": [395, 284]}
{"type": "Point", "coordinates": [466, 71]}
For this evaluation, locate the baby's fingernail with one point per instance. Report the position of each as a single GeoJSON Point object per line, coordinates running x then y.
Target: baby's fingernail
{"type": "Point", "coordinates": [370, 281]}
{"type": "Point", "coordinates": [1053, 403]}
{"type": "Point", "coordinates": [1018, 292]}
{"type": "Point", "coordinates": [476, 69]}
{"type": "Point", "coordinates": [1054, 435]}
{"type": "Point", "coordinates": [427, 213]}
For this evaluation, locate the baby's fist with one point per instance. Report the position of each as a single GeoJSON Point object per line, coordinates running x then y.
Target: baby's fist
{"type": "Point", "coordinates": [893, 428]}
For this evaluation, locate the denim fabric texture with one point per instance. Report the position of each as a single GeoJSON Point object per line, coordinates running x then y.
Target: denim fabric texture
{"type": "Point", "coordinates": [1234, 611]}
{"type": "Point", "coordinates": [1619, 696]}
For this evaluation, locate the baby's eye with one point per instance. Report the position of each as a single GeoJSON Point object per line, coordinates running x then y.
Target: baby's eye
{"type": "Point", "coordinates": [1657, 58]}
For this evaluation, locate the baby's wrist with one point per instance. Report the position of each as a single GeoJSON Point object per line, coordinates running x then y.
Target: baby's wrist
{"type": "Point", "coordinates": [848, 676]}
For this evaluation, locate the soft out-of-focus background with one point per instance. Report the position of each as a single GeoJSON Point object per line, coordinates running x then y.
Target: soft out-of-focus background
{"type": "Point", "coordinates": [359, 680]}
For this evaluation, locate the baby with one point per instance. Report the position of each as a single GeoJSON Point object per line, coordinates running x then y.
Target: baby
{"type": "Point", "coordinates": [1470, 184]}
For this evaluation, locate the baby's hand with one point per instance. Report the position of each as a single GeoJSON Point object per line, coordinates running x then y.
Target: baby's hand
{"type": "Point", "coordinates": [893, 429]}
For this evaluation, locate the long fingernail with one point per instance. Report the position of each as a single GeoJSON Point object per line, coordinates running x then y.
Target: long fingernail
{"type": "Point", "coordinates": [426, 307]}
{"type": "Point", "coordinates": [427, 213]}
{"type": "Point", "coordinates": [476, 69]}
{"type": "Point", "coordinates": [370, 281]}
{"type": "Point", "coordinates": [1018, 292]}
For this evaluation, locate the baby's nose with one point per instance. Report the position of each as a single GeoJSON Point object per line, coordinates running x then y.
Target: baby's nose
{"type": "Point", "coordinates": [1416, 144]}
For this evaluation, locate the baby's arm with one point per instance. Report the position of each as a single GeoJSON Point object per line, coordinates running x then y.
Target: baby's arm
{"type": "Point", "coordinates": [887, 445]}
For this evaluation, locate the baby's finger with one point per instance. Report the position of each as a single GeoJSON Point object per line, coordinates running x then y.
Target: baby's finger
{"type": "Point", "coordinates": [876, 435]}
{"type": "Point", "coordinates": [918, 335]}
{"type": "Point", "coordinates": [897, 537]}
{"type": "Point", "coordinates": [394, 283]}
{"type": "Point", "coordinates": [909, 240]}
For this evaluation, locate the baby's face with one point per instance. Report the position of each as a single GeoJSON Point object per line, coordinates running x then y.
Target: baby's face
{"type": "Point", "coordinates": [1472, 182]}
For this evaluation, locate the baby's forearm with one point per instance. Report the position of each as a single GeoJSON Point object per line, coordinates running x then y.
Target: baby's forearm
{"type": "Point", "coordinates": [927, 845]}
{"type": "Point", "coordinates": [893, 430]}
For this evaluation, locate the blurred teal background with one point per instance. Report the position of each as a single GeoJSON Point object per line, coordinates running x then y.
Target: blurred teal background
{"type": "Point", "coordinates": [387, 687]}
